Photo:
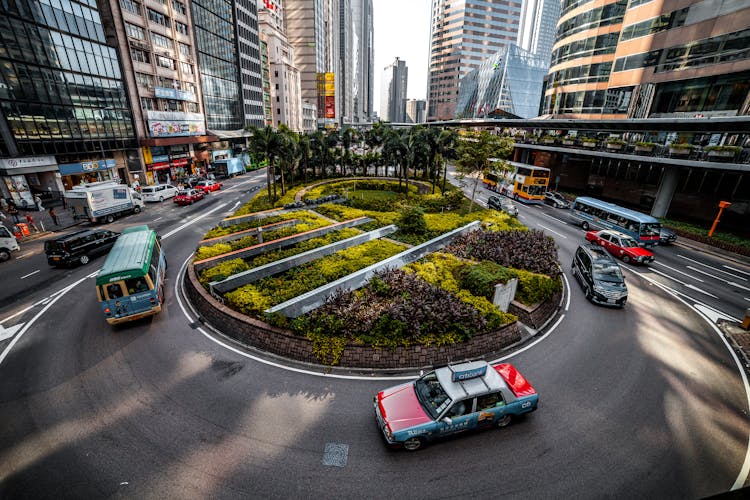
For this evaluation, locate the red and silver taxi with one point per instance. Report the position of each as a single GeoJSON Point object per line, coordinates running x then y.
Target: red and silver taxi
{"type": "Point", "coordinates": [188, 196]}
{"type": "Point", "coordinates": [621, 246]}
{"type": "Point", "coordinates": [208, 186]}
{"type": "Point", "coordinates": [453, 399]}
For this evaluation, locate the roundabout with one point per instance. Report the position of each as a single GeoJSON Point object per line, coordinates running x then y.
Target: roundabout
{"type": "Point", "coordinates": [641, 402]}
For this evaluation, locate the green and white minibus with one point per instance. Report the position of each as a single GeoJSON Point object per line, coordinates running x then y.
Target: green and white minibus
{"type": "Point", "coordinates": [130, 285]}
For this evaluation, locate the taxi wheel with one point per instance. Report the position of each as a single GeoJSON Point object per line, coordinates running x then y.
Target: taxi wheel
{"type": "Point", "coordinates": [625, 259]}
{"type": "Point", "coordinates": [504, 421]}
{"type": "Point", "coordinates": [413, 444]}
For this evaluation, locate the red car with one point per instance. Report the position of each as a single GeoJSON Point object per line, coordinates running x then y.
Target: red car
{"type": "Point", "coordinates": [208, 186]}
{"type": "Point", "coordinates": [188, 196]}
{"type": "Point", "coordinates": [621, 246]}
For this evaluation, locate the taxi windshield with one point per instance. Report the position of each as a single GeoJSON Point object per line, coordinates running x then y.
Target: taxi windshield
{"type": "Point", "coordinates": [628, 243]}
{"type": "Point", "coordinates": [431, 395]}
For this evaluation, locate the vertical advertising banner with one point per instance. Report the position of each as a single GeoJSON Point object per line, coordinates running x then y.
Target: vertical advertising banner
{"type": "Point", "coordinates": [330, 94]}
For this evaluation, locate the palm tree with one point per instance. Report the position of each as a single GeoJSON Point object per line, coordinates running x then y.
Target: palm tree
{"type": "Point", "coordinates": [374, 139]}
{"type": "Point", "coordinates": [317, 148]}
{"type": "Point", "coordinates": [348, 136]}
{"type": "Point", "coordinates": [266, 142]}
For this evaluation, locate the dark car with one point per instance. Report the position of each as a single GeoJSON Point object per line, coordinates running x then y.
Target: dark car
{"type": "Point", "coordinates": [502, 204]}
{"type": "Point", "coordinates": [79, 247]}
{"type": "Point", "coordinates": [556, 200]}
{"type": "Point", "coordinates": [666, 236]}
{"type": "Point", "coordinates": [188, 196]}
{"type": "Point", "coordinates": [600, 276]}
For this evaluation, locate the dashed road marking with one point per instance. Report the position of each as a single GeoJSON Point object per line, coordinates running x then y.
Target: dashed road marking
{"type": "Point", "coordinates": [30, 274]}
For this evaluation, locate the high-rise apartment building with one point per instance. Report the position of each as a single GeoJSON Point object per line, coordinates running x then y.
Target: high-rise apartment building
{"type": "Point", "coordinates": [346, 62]}
{"type": "Point", "coordinates": [283, 76]}
{"type": "Point", "coordinates": [64, 110]}
{"type": "Point", "coordinates": [312, 29]}
{"type": "Point", "coordinates": [156, 40]}
{"type": "Point", "coordinates": [393, 92]}
{"type": "Point", "coordinates": [462, 35]}
{"type": "Point", "coordinates": [650, 59]}
{"type": "Point", "coordinates": [363, 58]}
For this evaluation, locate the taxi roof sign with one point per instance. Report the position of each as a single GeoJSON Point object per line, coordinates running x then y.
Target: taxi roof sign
{"type": "Point", "coordinates": [467, 371]}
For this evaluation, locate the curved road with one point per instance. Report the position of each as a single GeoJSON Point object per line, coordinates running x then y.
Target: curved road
{"type": "Point", "coordinates": [641, 402]}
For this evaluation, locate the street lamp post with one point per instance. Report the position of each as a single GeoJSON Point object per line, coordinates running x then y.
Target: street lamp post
{"type": "Point", "coordinates": [722, 206]}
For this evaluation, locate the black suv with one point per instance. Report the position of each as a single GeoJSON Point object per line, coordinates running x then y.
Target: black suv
{"type": "Point", "coordinates": [79, 247]}
{"type": "Point", "coordinates": [600, 276]}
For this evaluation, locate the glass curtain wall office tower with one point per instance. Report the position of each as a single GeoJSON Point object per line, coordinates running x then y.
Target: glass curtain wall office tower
{"type": "Point", "coordinates": [62, 95]}
{"type": "Point", "coordinates": [393, 92]}
{"type": "Point", "coordinates": [462, 35]}
{"type": "Point", "coordinates": [650, 59]}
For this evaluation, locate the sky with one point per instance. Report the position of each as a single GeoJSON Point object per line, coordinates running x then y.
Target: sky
{"type": "Point", "coordinates": [402, 29]}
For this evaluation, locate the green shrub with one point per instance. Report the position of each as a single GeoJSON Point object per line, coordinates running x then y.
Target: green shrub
{"type": "Point", "coordinates": [480, 279]}
{"type": "Point", "coordinates": [223, 271]}
{"type": "Point", "coordinates": [411, 221]}
{"type": "Point", "coordinates": [534, 288]}
{"type": "Point", "coordinates": [730, 149]}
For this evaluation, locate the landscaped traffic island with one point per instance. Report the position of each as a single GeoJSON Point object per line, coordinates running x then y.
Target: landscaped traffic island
{"type": "Point", "coordinates": [362, 273]}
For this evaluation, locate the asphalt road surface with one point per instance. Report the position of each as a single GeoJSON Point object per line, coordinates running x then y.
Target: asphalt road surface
{"type": "Point", "coordinates": [642, 402]}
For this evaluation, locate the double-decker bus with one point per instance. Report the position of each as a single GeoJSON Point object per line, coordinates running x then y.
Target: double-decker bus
{"type": "Point", "coordinates": [529, 183]}
{"type": "Point", "coordinates": [590, 213]}
{"type": "Point", "coordinates": [130, 284]}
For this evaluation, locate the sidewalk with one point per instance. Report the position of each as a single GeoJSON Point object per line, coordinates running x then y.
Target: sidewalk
{"type": "Point", "coordinates": [45, 225]}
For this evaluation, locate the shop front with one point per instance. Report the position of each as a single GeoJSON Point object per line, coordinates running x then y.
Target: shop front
{"type": "Point", "coordinates": [21, 179]}
{"type": "Point", "coordinates": [75, 174]}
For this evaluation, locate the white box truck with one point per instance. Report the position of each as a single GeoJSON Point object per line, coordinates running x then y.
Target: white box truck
{"type": "Point", "coordinates": [229, 167]}
{"type": "Point", "coordinates": [102, 201]}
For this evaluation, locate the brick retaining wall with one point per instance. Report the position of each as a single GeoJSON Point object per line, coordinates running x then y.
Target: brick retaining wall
{"type": "Point", "coordinates": [535, 316]}
{"type": "Point", "coordinates": [282, 342]}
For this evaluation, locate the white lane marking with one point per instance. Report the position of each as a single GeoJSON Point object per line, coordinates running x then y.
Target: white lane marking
{"type": "Point", "coordinates": [720, 279]}
{"type": "Point", "coordinates": [711, 313]}
{"type": "Point", "coordinates": [237, 204]}
{"type": "Point", "coordinates": [553, 232]}
{"type": "Point", "coordinates": [526, 348]}
{"type": "Point", "coordinates": [30, 274]}
{"type": "Point", "coordinates": [6, 333]}
{"type": "Point", "coordinates": [746, 298]}
{"type": "Point", "coordinates": [711, 267]}
{"type": "Point", "coordinates": [38, 315]}
{"type": "Point", "coordinates": [567, 286]}
{"type": "Point", "coordinates": [745, 470]}
{"type": "Point", "coordinates": [19, 313]}
{"type": "Point", "coordinates": [193, 221]}
{"type": "Point", "coordinates": [676, 270]}
{"type": "Point", "coordinates": [158, 218]}
{"type": "Point", "coordinates": [736, 270]}
{"type": "Point", "coordinates": [24, 255]}
{"type": "Point", "coordinates": [686, 285]}
{"type": "Point", "coordinates": [545, 214]}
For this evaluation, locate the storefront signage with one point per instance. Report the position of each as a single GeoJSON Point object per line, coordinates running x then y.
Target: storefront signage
{"type": "Point", "coordinates": [180, 162]}
{"type": "Point", "coordinates": [179, 95]}
{"type": "Point", "coordinates": [160, 159]}
{"type": "Point", "coordinates": [29, 161]}
{"type": "Point", "coordinates": [158, 166]}
{"type": "Point", "coordinates": [86, 167]}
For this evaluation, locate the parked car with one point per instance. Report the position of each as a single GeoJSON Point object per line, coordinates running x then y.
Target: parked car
{"type": "Point", "coordinates": [8, 243]}
{"type": "Point", "coordinates": [621, 246]}
{"type": "Point", "coordinates": [79, 247]}
{"type": "Point", "coordinates": [556, 200]}
{"type": "Point", "coordinates": [208, 186]}
{"type": "Point", "coordinates": [503, 204]}
{"type": "Point", "coordinates": [188, 196]}
{"type": "Point", "coordinates": [453, 399]}
{"type": "Point", "coordinates": [159, 193]}
{"type": "Point", "coordinates": [666, 236]}
{"type": "Point", "coordinates": [600, 276]}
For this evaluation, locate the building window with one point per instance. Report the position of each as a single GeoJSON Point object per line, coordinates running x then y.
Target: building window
{"type": "Point", "coordinates": [181, 28]}
{"type": "Point", "coordinates": [184, 49]}
{"type": "Point", "coordinates": [140, 56]}
{"type": "Point", "coordinates": [178, 6]}
{"type": "Point", "coordinates": [147, 103]}
{"type": "Point", "coordinates": [187, 69]}
{"type": "Point", "coordinates": [131, 6]}
{"type": "Point", "coordinates": [164, 62]}
{"type": "Point", "coordinates": [161, 41]}
{"type": "Point", "coordinates": [134, 31]}
{"type": "Point", "coordinates": [144, 80]}
{"type": "Point", "coordinates": [159, 18]}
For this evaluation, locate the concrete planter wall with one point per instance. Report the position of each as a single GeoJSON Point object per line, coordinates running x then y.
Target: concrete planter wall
{"type": "Point", "coordinates": [278, 341]}
{"type": "Point", "coordinates": [535, 316]}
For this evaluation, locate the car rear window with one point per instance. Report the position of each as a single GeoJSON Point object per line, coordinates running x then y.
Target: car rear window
{"type": "Point", "coordinates": [148, 190]}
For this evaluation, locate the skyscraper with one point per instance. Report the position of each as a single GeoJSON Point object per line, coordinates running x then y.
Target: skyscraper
{"type": "Point", "coordinates": [537, 27]}
{"type": "Point", "coordinates": [312, 28]}
{"type": "Point", "coordinates": [462, 35]}
{"type": "Point", "coordinates": [393, 92]}
{"type": "Point", "coordinates": [248, 50]}
{"type": "Point", "coordinates": [363, 57]}
{"type": "Point", "coordinates": [650, 59]}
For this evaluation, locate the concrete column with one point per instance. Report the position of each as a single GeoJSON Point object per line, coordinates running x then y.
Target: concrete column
{"type": "Point", "coordinates": [504, 294]}
{"type": "Point", "coordinates": [667, 187]}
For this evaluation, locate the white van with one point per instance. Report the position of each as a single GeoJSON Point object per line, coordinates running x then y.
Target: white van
{"type": "Point", "coordinates": [159, 192]}
{"type": "Point", "coordinates": [8, 243]}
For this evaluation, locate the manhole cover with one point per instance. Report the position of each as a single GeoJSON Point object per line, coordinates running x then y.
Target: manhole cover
{"type": "Point", "coordinates": [335, 454]}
